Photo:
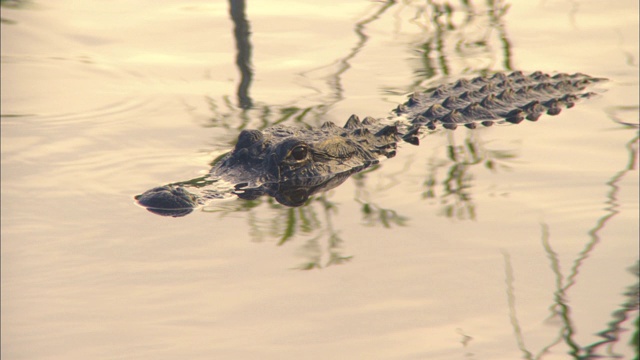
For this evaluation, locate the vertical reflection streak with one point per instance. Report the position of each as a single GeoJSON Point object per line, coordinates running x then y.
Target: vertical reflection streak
{"type": "Point", "coordinates": [496, 12]}
{"type": "Point", "coordinates": [560, 308]}
{"type": "Point", "coordinates": [362, 40]}
{"type": "Point", "coordinates": [241, 33]}
{"type": "Point", "coordinates": [611, 209]}
{"type": "Point", "coordinates": [511, 300]}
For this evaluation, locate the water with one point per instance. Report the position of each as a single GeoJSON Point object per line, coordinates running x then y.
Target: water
{"type": "Point", "coordinates": [500, 243]}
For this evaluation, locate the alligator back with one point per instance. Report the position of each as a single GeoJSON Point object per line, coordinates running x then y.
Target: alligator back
{"type": "Point", "coordinates": [484, 100]}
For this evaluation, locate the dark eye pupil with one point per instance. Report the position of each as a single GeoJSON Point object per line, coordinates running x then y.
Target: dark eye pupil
{"type": "Point", "coordinates": [299, 152]}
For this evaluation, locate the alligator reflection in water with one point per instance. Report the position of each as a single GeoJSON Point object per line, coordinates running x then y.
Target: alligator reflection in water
{"type": "Point", "coordinates": [174, 200]}
{"type": "Point", "coordinates": [292, 163]}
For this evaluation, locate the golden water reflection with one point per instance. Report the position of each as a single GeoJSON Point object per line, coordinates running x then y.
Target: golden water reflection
{"type": "Point", "coordinates": [436, 253]}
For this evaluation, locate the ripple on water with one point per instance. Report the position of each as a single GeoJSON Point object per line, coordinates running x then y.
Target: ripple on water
{"type": "Point", "coordinates": [77, 126]}
{"type": "Point", "coordinates": [58, 91]}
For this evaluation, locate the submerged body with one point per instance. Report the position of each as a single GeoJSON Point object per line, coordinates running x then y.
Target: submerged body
{"type": "Point", "coordinates": [292, 163]}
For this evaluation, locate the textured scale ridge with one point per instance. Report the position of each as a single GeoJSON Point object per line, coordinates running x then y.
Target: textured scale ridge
{"type": "Point", "coordinates": [511, 97]}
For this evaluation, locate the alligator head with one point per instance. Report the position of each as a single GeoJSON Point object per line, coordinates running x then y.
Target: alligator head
{"type": "Point", "coordinates": [285, 162]}
{"type": "Point", "coordinates": [298, 155]}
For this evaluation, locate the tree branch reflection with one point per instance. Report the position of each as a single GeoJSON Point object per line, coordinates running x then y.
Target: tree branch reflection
{"type": "Point", "coordinates": [561, 309]}
{"type": "Point", "coordinates": [241, 33]}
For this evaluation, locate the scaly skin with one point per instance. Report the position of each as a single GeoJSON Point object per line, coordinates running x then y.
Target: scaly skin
{"type": "Point", "coordinates": [511, 97]}
{"type": "Point", "coordinates": [292, 163]}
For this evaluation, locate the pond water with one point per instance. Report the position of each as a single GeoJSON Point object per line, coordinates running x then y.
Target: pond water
{"type": "Point", "coordinates": [505, 242]}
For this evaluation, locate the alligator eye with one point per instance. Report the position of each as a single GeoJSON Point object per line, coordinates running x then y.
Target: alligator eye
{"type": "Point", "coordinates": [299, 152]}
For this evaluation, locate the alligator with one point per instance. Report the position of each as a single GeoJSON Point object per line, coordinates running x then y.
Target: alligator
{"type": "Point", "coordinates": [291, 163]}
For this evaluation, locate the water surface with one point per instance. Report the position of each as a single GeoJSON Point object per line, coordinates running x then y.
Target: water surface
{"type": "Point", "coordinates": [499, 243]}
